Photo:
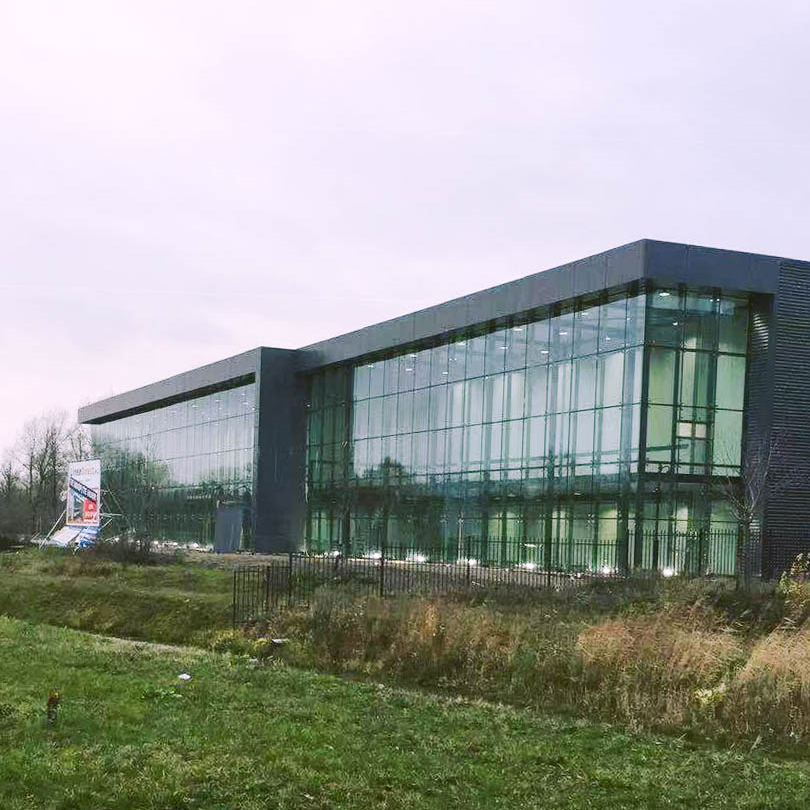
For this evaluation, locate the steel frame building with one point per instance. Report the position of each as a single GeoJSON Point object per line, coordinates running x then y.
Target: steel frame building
{"type": "Point", "coordinates": [589, 404]}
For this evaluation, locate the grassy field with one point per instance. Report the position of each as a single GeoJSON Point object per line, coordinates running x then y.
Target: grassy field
{"type": "Point", "coordinates": [685, 657]}
{"type": "Point", "coordinates": [130, 734]}
{"type": "Point", "coordinates": [173, 602]}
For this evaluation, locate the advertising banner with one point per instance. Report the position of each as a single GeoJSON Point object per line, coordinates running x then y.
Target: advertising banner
{"type": "Point", "coordinates": [84, 493]}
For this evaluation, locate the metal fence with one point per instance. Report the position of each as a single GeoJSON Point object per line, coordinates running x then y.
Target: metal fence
{"type": "Point", "coordinates": [481, 563]}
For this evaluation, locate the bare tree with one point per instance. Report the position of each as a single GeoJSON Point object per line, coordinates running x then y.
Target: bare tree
{"type": "Point", "coordinates": [37, 467]}
{"type": "Point", "coordinates": [767, 470]}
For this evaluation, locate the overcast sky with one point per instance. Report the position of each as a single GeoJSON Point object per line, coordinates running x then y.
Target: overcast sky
{"type": "Point", "coordinates": [182, 181]}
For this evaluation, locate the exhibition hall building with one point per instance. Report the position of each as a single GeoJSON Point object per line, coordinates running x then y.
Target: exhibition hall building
{"type": "Point", "coordinates": [617, 412]}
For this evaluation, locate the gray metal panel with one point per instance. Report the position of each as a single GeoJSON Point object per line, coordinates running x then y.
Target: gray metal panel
{"type": "Point", "coordinates": [646, 259]}
{"type": "Point", "coordinates": [189, 382]}
{"type": "Point", "coordinates": [540, 289]}
{"type": "Point", "coordinates": [669, 263]}
{"type": "Point", "coordinates": [625, 264]}
{"type": "Point", "coordinates": [788, 508]}
{"type": "Point", "coordinates": [279, 465]}
{"type": "Point", "coordinates": [590, 274]}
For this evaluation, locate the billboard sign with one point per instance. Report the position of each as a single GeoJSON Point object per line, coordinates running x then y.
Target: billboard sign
{"type": "Point", "coordinates": [84, 493]}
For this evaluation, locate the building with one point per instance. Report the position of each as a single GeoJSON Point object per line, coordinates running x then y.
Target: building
{"type": "Point", "coordinates": [592, 415]}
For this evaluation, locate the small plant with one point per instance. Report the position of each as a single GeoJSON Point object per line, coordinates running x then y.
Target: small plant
{"type": "Point", "coordinates": [52, 707]}
{"type": "Point", "coordinates": [794, 587]}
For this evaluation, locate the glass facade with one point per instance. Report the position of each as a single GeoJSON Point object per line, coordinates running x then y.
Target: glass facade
{"type": "Point", "coordinates": [697, 345]}
{"type": "Point", "coordinates": [578, 431]}
{"type": "Point", "coordinates": [169, 468]}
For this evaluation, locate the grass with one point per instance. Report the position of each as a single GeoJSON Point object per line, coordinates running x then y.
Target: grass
{"type": "Point", "coordinates": [173, 602]}
{"type": "Point", "coordinates": [130, 734]}
{"type": "Point", "coordinates": [684, 657]}
{"type": "Point", "coordinates": [692, 658]}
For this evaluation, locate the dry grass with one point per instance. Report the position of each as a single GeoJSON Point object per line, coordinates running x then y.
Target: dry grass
{"type": "Point", "coordinates": [700, 662]}
{"type": "Point", "coordinates": [770, 695]}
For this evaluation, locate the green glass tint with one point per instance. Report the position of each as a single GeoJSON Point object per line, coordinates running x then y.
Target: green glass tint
{"type": "Point", "coordinates": [171, 466]}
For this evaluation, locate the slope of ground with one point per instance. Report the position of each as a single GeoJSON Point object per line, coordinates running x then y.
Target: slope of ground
{"type": "Point", "coordinates": [173, 602]}
{"type": "Point", "coordinates": [130, 733]}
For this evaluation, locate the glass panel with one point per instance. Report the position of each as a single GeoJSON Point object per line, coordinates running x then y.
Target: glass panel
{"type": "Point", "coordinates": [633, 364]}
{"type": "Point", "coordinates": [561, 387]}
{"type": "Point", "coordinates": [538, 389]}
{"type": "Point", "coordinates": [438, 365]}
{"type": "Point", "coordinates": [497, 346]}
{"type": "Point", "coordinates": [492, 445]}
{"type": "Point", "coordinates": [375, 417]}
{"type": "Point", "coordinates": [695, 368]}
{"type": "Point", "coordinates": [360, 419]}
{"type": "Point", "coordinates": [407, 372]}
{"type": "Point", "coordinates": [664, 318]}
{"type": "Point", "coordinates": [538, 343]}
{"type": "Point", "coordinates": [659, 433]}
{"type": "Point", "coordinates": [391, 375]}
{"type": "Point", "coordinates": [562, 336]}
{"type": "Point", "coordinates": [513, 443]}
{"type": "Point", "coordinates": [389, 413]}
{"type": "Point", "coordinates": [438, 407]}
{"type": "Point", "coordinates": [516, 347]}
{"type": "Point", "coordinates": [421, 409]}
{"type": "Point", "coordinates": [699, 322]}
{"type": "Point", "coordinates": [733, 325]}
{"type": "Point", "coordinates": [611, 378]}
{"type": "Point", "coordinates": [610, 429]}
{"type": "Point", "coordinates": [730, 381]}
{"type": "Point", "coordinates": [457, 359]}
{"type": "Point", "coordinates": [376, 371]}
{"type": "Point", "coordinates": [585, 383]}
{"type": "Point", "coordinates": [727, 439]}
{"type": "Point", "coordinates": [493, 398]}
{"type": "Point", "coordinates": [662, 375]}
{"type": "Point", "coordinates": [583, 424]}
{"type": "Point", "coordinates": [405, 412]}
{"type": "Point", "coordinates": [612, 324]}
{"type": "Point", "coordinates": [586, 331]}
{"type": "Point", "coordinates": [474, 401]}
{"type": "Point", "coordinates": [515, 383]}
{"type": "Point", "coordinates": [473, 446]}
{"type": "Point", "coordinates": [455, 404]}
{"type": "Point", "coordinates": [476, 354]}
{"type": "Point", "coordinates": [421, 368]}
{"type": "Point", "coordinates": [636, 309]}
{"type": "Point", "coordinates": [535, 441]}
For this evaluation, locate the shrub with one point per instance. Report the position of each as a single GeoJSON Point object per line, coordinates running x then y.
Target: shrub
{"type": "Point", "coordinates": [770, 694]}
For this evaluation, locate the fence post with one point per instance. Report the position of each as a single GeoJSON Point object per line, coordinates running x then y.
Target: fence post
{"type": "Point", "coordinates": [290, 580]}
{"type": "Point", "coordinates": [382, 568]}
{"type": "Point", "coordinates": [469, 564]}
{"type": "Point", "coordinates": [266, 589]}
{"type": "Point", "coordinates": [235, 572]}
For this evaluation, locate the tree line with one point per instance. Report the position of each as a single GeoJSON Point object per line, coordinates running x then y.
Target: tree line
{"type": "Point", "coordinates": [33, 471]}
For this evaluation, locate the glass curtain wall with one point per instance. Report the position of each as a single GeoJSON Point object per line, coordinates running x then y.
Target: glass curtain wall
{"type": "Point", "coordinates": [524, 441]}
{"type": "Point", "coordinates": [697, 344]}
{"type": "Point", "coordinates": [169, 468]}
{"type": "Point", "coordinates": [525, 444]}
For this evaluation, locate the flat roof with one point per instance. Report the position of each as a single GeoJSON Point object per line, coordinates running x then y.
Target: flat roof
{"type": "Point", "coordinates": [664, 263]}
{"type": "Point", "coordinates": [647, 259]}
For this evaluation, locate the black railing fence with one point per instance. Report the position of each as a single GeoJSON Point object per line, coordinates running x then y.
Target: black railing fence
{"type": "Point", "coordinates": [477, 563]}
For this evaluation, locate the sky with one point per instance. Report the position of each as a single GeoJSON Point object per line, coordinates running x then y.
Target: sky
{"type": "Point", "coordinates": [183, 181]}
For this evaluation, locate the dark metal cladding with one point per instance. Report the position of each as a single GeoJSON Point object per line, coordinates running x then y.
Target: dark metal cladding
{"type": "Point", "coordinates": [788, 384]}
